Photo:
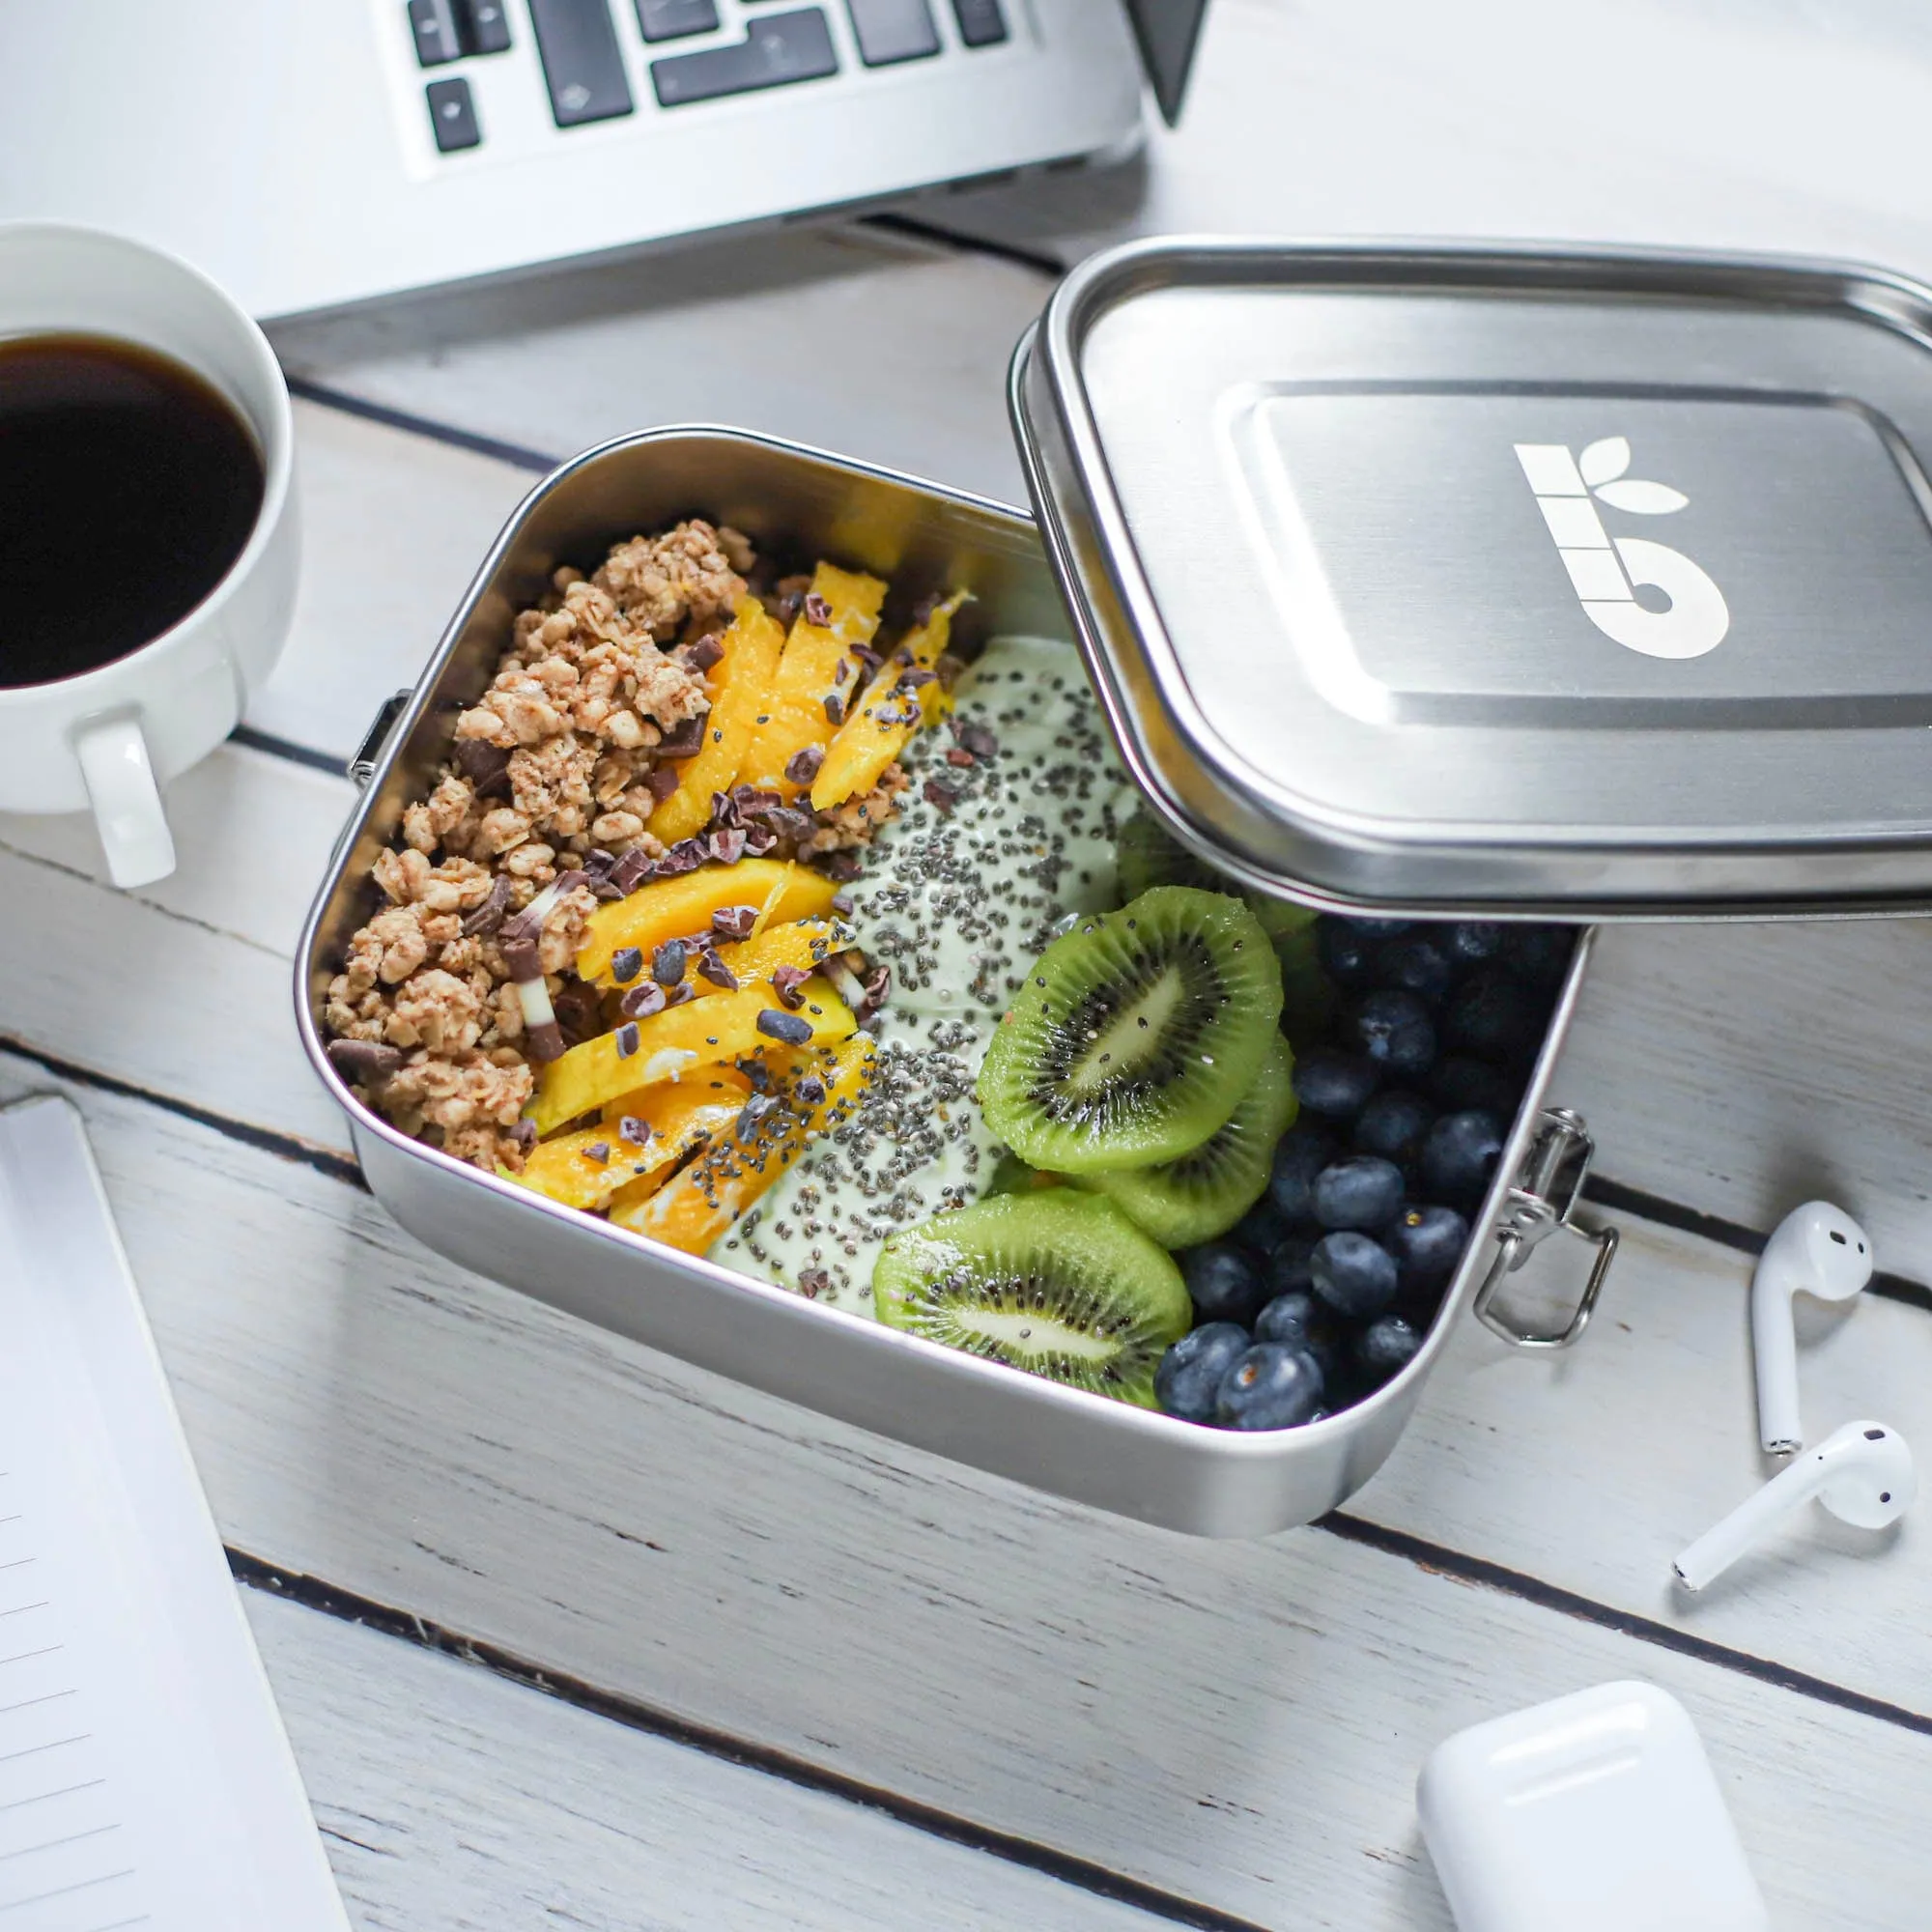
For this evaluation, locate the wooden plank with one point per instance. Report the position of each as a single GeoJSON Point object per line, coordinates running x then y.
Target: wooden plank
{"type": "Point", "coordinates": [182, 986]}
{"type": "Point", "coordinates": [451, 1798]}
{"type": "Point", "coordinates": [1744, 1068]}
{"type": "Point", "coordinates": [847, 340]}
{"type": "Point", "coordinates": [1773, 130]}
{"type": "Point", "coordinates": [1236, 1722]}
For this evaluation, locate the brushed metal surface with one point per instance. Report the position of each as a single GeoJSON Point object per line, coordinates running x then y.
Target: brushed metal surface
{"type": "Point", "coordinates": [1594, 585]}
{"type": "Point", "coordinates": [1129, 1460]}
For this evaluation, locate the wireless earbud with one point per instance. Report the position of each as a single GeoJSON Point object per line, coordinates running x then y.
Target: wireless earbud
{"type": "Point", "coordinates": [1821, 1249]}
{"type": "Point", "coordinates": [1863, 1473]}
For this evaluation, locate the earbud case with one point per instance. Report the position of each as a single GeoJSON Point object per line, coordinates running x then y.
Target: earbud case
{"type": "Point", "coordinates": [1596, 1813]}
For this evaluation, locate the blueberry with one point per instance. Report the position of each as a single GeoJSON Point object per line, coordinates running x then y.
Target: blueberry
{"type": "Point", "coordinates": [1225, 1281]}
{"type": "Point", "coordinates": [1269, 1387]}
{"type": "Point", "coordinates": [1460, 1153]}
{"type": "Point", "coordinates": [1261, 1229]}
{"type": "Point", "coordinates": [1297, 1320]}
{"type": "Point", "coordinates": [1495, 1015]}
{"type": "Point", "coordinates": [1193, 1369]}
{"type": "Point", "coordinates": [1380, 928]}
{"type": "Point", "coordinates": [1541, 953]}
{"type": "Point", "coordinates": [1459, 1083]}
{"type": "Point", "coordinates": [1346, 957]}
{"type": "Point", "coordinates": [1385, 1346]}
{"type": "Point", "coordinates": [1299, 1155]}
{"type": "Point", "coordinates": [1288, 1266]}
{"type": "Point", "coordinates": [1474, 941]}
{"type": "Point", "coordinates": [1332, 1084]}
{"type": "Point", "coordinates": [1427, 1244]}
{"type": "Point", "coordinates": [1394, 1030]}
{"type": "Point", "coordinates": [1393, 1124]}
{"type": "Point", "coordinates": [1415, 965]}
{"type": "Point", "coordinates": [1361, 1191]}
{"type": "Point", "coordinates": [1355, 1275]}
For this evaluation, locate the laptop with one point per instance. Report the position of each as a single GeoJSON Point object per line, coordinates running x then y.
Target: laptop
{"type": "Point", "coordinates": [316, 154]}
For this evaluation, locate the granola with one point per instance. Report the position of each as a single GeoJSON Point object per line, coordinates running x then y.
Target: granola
{"type": "Point", "coordinates": [457, 993]}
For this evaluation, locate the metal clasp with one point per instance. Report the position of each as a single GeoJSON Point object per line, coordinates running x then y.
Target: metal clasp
{"type": "Point", "coordinates": [361, 768]}
{"type": "Point", "coordinates": [1538, 1203]}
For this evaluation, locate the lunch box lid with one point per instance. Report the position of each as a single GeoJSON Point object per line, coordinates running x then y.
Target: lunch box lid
{"type": "Point", "coordinates": [1590, 585]}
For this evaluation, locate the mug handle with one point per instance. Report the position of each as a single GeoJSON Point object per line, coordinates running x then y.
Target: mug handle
{"type": "Point", "coordinates": [126, 803]}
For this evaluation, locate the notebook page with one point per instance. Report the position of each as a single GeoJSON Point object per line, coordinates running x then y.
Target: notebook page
{"type": "Point", "coordinates": [144, 1779]}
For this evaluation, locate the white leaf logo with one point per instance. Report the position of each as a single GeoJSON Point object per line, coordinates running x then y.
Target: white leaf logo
{"type": "Point", "coordinates": [1604, 461]}
{"type": "Point", "coordinates": [1646, 499]}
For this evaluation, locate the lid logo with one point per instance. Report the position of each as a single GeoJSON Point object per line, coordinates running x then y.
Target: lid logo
{"type": "Point", "coordinates": [1608, 574]}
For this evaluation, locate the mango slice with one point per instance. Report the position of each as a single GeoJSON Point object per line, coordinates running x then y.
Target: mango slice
{"type": "Point", "coordinates": [795, 718]}
{"type": "Point", "coordinates": [680, 1117]}
{"type": "Point", "coordinates": [680, 908]}
{"type": "Point", "coordinates": [877, 731]}
{"type": "Point", "coordinates": [702, 1033]}
{"type": "Point", "coordinates": [806, 941]}
{"type": "Point", "coordinates": [699, 1203]}
{"type": "Point", "coordinates": [720, 1084]}
{"type": "Point", "coordinates": [740, 682]}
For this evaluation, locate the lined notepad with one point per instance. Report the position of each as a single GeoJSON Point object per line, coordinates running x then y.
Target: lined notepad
{"type": "Point", "coordinates": [144, 1779]}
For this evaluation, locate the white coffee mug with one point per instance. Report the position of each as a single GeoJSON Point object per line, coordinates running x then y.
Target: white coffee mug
{"type": "Point", "coordinates": [111, 737]}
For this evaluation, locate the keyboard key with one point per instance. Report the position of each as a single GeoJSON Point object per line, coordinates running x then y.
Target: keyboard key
{"type": "Point", "coordinates": [485, 27]}
{"type": "Point", "coordinates": [581, 65]}
{"type": "Point", "coordinates": [893, 30]}
{"type": "Point", "coordinates": [981, 25]}
{"type": "Point", "coordinates": [433, 23]}
{"type": "Point", "coordinates": [779, 50]}
{"type": "Point", "coordinates": [452, 113]}
{"type": "Point", "coordinates": [672, 20]}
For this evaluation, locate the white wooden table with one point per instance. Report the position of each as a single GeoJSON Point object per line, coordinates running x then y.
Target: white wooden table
{"type": "Point", "coordinates": [569, 1634]}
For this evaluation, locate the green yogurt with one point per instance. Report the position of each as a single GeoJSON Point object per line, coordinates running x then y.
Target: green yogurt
{"type": "Point", "coordinates": [960, 894]}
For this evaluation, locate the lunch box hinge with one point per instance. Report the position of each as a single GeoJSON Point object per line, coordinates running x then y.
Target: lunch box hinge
{"type": "Point", "coordinates": [1541, 1203]}
{"type": "Point", "coordinates": [361, 768]}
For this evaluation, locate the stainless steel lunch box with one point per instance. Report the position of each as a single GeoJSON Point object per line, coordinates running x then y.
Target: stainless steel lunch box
{"type": "Point", "coordinates": [1105, 1453]}
{"type": "Point", "coordinates": [1362, 548]}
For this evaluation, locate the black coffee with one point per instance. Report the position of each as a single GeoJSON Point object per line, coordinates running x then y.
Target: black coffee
{"type": "Point", "coordinates": [128, 486]}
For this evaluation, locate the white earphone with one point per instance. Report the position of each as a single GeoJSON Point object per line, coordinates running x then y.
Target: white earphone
{"type": "Point", "coordinates": [1863, 1473]}
{"type": "Point", "coordinates": [1822, 1250]}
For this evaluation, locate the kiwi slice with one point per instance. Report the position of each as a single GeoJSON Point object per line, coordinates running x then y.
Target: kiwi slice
{"type": "Point", "coordinates": [1308, 996]}
{"type": "Point", "coordinates": [1135, 1034]}
{"type": "Point", "coordinates": [1205, 1193]}
{"type": "Point", "coordinates": [1055, 1282]}
{"type": "Point", "coordinates": [1147, 855]}
{"type": "Point", "coordinates": [1012, 1176]}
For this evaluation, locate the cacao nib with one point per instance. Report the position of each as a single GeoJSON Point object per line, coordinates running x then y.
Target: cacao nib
{"type": "Point", "coordinates": [487, 767]}
{"type": "Point", "coordinates": [642, 1001]}
{"type": "Point", "coordinates": [684, 740]}
{"type": "Point", "coordinates": [363, 1059]}
{"type": "Point", "coordinates": [633, 870]}
{"type": "Point", "coordinates": [490, 915]}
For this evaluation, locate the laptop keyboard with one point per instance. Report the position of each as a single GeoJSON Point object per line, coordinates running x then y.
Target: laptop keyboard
{"type": "Point", "coordinates": [583, 63]}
